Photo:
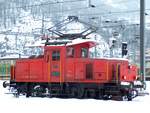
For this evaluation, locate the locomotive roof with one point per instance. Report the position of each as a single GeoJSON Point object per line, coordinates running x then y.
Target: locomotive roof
{"type": "Point", "coordinates": [122, 59]}
{"type": "Point", "coordinates": [88, 42]}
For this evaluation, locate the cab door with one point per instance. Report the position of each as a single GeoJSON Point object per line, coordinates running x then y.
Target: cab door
{"type": "Point", "coordinates": [79, 71]}
{"type": "Point", "coordinates": [55, 66]}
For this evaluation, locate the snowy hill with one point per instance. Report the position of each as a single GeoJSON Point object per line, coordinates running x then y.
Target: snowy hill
{"type": "Point", "coordinates": [23, 22]}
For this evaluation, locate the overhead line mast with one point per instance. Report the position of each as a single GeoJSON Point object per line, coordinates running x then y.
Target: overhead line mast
{"type": "Point", "coordinates": [142, 39]}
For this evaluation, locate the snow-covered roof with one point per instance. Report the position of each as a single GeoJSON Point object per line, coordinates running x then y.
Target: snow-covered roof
{"type": "Point", "coordinates": [41, 43]}
{"type": "Point", "coordinates": [13, 56]}
{"type": "Point", "coordinates": [122, 59]}
{"type": "Point", "coordinates": [91, 42]}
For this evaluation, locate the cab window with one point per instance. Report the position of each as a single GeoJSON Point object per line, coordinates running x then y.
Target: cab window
{"type": "Point", "coordinates": [55, 55]}
{"type": "Point", "coordinates": [84, 52]}
{"type": "Point", "coordinates": [70, 52]}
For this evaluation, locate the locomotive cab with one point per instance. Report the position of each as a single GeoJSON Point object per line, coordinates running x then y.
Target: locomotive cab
{"type": "Point", "coordinates": [80, 50]}
{"type": "Point", "coordinates": [61, 60]}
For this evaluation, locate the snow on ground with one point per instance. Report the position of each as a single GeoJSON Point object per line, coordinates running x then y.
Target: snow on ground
{"type": "Point", "coordinates": [8, 103]}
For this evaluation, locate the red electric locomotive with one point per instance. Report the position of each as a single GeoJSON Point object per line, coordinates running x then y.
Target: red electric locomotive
{"type": "Point", "coordinates": [66, 70]}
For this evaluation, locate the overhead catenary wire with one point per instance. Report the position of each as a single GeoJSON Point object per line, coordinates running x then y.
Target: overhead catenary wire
{"type": "Point", "coordinates": [96, 14]}
{"type": "Point", "coordinates": [44, 4]}
{"type": "Point", "coordinates": [103, 13]}
{"type": "Point", "coordinates": [82, 8]}
{"type": "Point", "coordinates": [64, 2]}
{"type": "Point", "coordinates": [78, 9]}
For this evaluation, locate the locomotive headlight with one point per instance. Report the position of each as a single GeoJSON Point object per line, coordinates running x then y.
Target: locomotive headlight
{"type": "Point", "coordinates": [124, 77]}
{"type": "Point", "coordinates": [125, 83]}
{"type": "Point", "coordinates": [129, 67]}
{"type": "Point", "coordinates": [135, 77]}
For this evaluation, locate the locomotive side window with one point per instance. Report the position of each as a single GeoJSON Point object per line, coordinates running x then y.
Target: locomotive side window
{"type": "Point", "coordinates": [70, 52]}
{"type": "Point", "coordinates": [84, 52]}
{"type": "Point", "coordinates": [55, 55]}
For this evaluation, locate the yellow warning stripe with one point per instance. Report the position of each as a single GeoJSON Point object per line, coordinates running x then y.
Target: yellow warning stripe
{"type": "Point", "coordinates": [6, 68]}
{"type": "Point", "coordinates": [13, 72]}
{"type": "Point", "coordinates": [0, 70]}
{"type": "Point", "coordinates": [107, 71]}
{"type": "Point", "coordinates": [117, 73]}
{"type": "Point", "coordinates": [49, 71]}
{"type": "Point", "coordinates": [60, 72]}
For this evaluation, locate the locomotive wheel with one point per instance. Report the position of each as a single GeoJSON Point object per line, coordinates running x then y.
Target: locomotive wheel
{"type": "Point", "coordinates": [16, 93]}
{"type": "Point", "coordinates": [74, 92]}
{"type": "Point", "coordinates": [77, 92]}
{"type": "Point", "coordinates": [97, 95]}
{"type": "Point", "coordinates": [129, 97]}
{"type": "Point", "coordinates": [37, 91]}
{"type": "Point", "coordinates": [131, 94]}
{"type": "Point", "coordinates": [80, 93]}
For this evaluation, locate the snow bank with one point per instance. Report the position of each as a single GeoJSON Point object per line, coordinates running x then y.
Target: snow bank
{"type": "Point", "coordinates": [8, 104]}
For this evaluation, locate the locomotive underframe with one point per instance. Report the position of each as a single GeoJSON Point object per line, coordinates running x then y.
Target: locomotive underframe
{"type": "Point", "coordinates": [75, 90]}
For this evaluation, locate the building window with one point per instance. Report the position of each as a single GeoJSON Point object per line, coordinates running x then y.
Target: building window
{"type": "Point", "coordinates": [56, 55]}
